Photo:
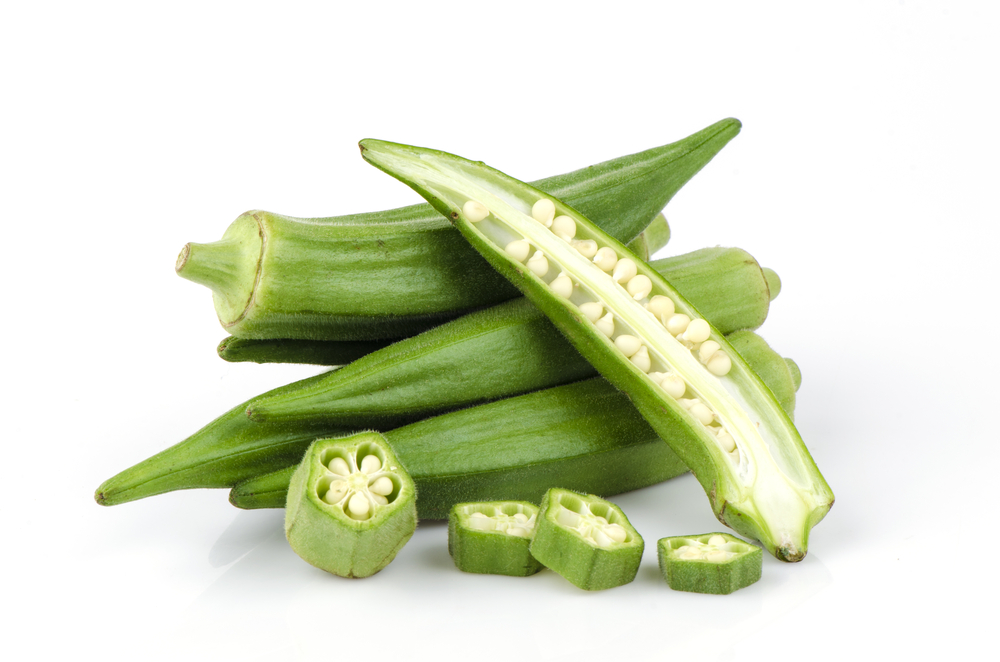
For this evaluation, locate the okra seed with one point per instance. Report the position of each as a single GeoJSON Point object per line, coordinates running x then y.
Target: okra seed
{"type": "Point", "coordinates": [616, 532]}
{"type": "Point", "coordinates": [641, 359]}
{"type": "Point", "coordinates": [687, 403]}
{"type": "Point", "coordinates": [518, 249]}
{"type": "Point", "coordinates": [518, 531]}
{"type": "Point", "coordinates": [625, 270]}
{"type": "Point", "coordinates": [717, 556]}
{"type": "Point", "coordinates": [538, 264]}
{"type": "Point", "coordinates": [520, 517]}
{"type": "Point", "coordinates": [606, 325]}
{"type": "Point", "coordinates": [481, 522]}
{"type": "Point", "coordinates": [639, 287]}
{"type": "Point", "coordinates": [339, 466]}
{"type": "Point", "coordinates": [605, 258]}
{"type": "Point", "coordinates": [661, 306]}
{"type": "Point", "coordinates": [717, 540]}
{"type": "Point", "coordinates": [702, 413]}
{"type": "Point", "coordinates": [564, 227]}
{"type": "Point", "coordinates": [586, 248]}
{"type": "Point", "coordinates": [370, 464]}
{"type": "Point", "coordinates": [380, 500]}
{"type": "Point", "coordinates": [697, 331]}
{"type": "Point", "coordinates": [677, 324]}
{"type": "Point", "coordinates": [337, 491]}
{"type": "Point", "coordinates": [562, 285]}
{"type": "Point", "coordinates": [727, 442]}
{"type": "Point", "coordinates": [567, 518]}
{"type": "Point", "coordinates": [543, 211]}
{"type": "Point", "coordinates": [657, 377]}
{"type": "Point", "coordinates": [475, 211]}
{"type": "Point", "coordinates": [600, 538]}
{"type": "Point", "coordinates": [707, 349]}
{"type": "Point", "coordinates": [592, 310]}
{"type": "Point", "coordinates": [674, 385]}
{"type": "Point", "coordinates": [358, 505]}
{"type": "Point", "coordinates": [627, 345]}
{"type": "Point", "coordinates": [720, 364]}
{"type": "Point", "coordinates": [382, 485]}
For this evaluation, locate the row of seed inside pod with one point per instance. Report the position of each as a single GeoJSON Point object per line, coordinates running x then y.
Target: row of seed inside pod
{"type": "Point", "coordinates": [693, 334]}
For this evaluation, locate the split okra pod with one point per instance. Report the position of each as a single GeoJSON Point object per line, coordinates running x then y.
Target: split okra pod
{"type": "Point", "coordinates": [682, 375]}
{"type": "Point", "coordinates": [385, 275]}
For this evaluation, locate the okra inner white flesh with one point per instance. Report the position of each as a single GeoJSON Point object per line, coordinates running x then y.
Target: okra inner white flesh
{"type": "Point", "coordinates": [596, 524]}
{"type": "Point", "coordinates": [715, 550]}
{"type": "Point", "coordinates": [512, 520]}
{"type": "Point", "coordinates": [358, 483]}
{"type": "Point", "coordinates": [761, 468]}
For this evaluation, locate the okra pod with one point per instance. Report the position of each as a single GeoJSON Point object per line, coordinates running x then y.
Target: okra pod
{"type": "Point", "coordinates": [682, 375]}
{"type": "Point", "coordinates": [384, 275]}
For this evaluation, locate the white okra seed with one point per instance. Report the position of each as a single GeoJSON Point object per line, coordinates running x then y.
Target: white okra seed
{"type": "Point", "coordinates": [605, 258]}
{"type": "Point", "coordinates": [358, 505]}
{"type": "Point", "coordinates": [641, 359]}
{"type": "Point", "coordinates": [339, 466]}
{"type": "Point", "coordinates": [677, 324]}
{"type": "Point", "coordinates": [717, 540]}
{"type": "Point", "coordinates": [562, 285]}
{"type": "Point", "coordinates": [707, 349]}
{"type": "Point", "coordinates": [370, 464]}
{"type": "Point", "coordinates": [657, 377]}
{"type": "Point", "coordinates": [586, 248]}
{"type": "Point", "coordinates": [600, 538]}
{"type": "Point", "coordinates": [475, 211]}
{"type": "Point", "coordinates": [567, 518]}
{"type": "Point", "coordinates": [625, 270]}
{"type": "Point", "coordinates": [606, 325]}
{"type": "Point", "coordinates": [336, 492]}
{"type": "Point", "coordinates": [543, 211]}
{"type": "Point", "coordinates": [627, 345]}
{"type": "Point", "coordinates": [380, 500]}
{"type": "Point", "coordinates": [481, 522]}
{"type": "Point", "coordinates": [697, 331]}
{"type": "Point", "coordinates": [564, 227]}
{"type": "Point", "coordinates": [538, 264]}
{"type": "Point", "coordinates": [661, 306]}
{"type": "Point", "coordinates": [726, 441]}
{"type": "Point", "coordinates": [520, 517]}
{"type": "Point", "coordinates": [518, 249]}
{"type": "Point", "coordinates": [718, 556]}
{"type": "Point", "coordinates": [674, 385]}
{"type": "Point", "coordinates": [381, 485]}
{"type": "Point", "coordinates": [639, 287]}
{"type": "Point", "coordinates": [592, 310]}
{"type": "Point", "coordinates": [518, 531]}
{"type": "Point", "coordinates": [687, 403]}
{"type": "Point", "coordinates": [616, 532]}
{"type": "Point", "coordinates": [720, 364]}
{"type": "Point", "coordinates": [702, 413]}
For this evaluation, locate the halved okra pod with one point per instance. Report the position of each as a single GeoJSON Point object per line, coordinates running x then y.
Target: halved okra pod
{"type": "Point", "coordinates": [682, 375]}
{"type": "Point", "coordinates": [385, 275]}
{"type": "Point", "coordinates": [492, 537]}
{"type": "Point", "coordinates": [709, 563]}
{"type": "Point", "coordinates": [587, 540]}
{"type": "Point", "coordinates": [351, 505]}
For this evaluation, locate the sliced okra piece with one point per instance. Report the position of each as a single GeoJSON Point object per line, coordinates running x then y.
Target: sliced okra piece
{"type": "Point", "coordinates": [710, 563]}
{"type": "Point", "coordinates": [682, 375]}
{"type": "Point", "coordinates": [492, 537]}
{"type": "Point", "coordinates": [587, 540]}
{"type": "Point", "coordinates": [351, 505]}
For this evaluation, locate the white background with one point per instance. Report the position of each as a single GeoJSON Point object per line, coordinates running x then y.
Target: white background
{"type": "Point", "coordinates": [865, 175]}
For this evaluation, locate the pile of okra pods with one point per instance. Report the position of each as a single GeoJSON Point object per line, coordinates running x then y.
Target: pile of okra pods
{"type": "Point", "coordinates": [507, 356]}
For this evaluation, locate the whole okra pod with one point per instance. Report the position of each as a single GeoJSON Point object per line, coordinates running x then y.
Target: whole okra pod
{"type": "Point", "coordinates": [392, 274]}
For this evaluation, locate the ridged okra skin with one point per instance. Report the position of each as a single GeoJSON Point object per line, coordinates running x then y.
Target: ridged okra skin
{"type": "Point", "coordinates": [587, 540]}
{"type": "Point", "coordinates": [691, 385]}
{"type": "Point", "coordinates": [351, 505]}
{"type": "Point", "coordinates": [395, 273]}
{"type": "Point", "coordinates": [492, 537]}
{"type": "Point", "coordinates": [716, 563]}
{"type": "Point", "coordinates": [726, 284]}
{"type": "Point", "coordinates": [508, 349]}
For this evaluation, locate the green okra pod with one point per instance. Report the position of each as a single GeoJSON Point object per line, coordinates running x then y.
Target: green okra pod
{"type": "Point", "coordinates": [384, 275]}
{"type": "Point", "coordinates": [635, 328]}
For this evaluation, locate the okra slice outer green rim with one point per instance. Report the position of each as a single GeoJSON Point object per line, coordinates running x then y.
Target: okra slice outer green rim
{"type": "Point", "coordinates": [493, 537]}
{"type": "Point", "coordinates": [708, 563]}
{"type": "Point", "coordinates": [769, 488]}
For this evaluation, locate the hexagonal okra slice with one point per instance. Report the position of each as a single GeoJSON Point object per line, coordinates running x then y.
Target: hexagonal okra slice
{"type": "Point", "coordinates": [587, 540]}
{"type": "Point", "coordinates": [351, 505]}
{"type": "Point", "coordinates": [709, 563]}
{"type": "Point", "coordinates": [492, 537]}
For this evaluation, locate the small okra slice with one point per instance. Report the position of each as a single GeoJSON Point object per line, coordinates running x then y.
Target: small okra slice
{"type": "Point", "coordinates": [492, 537]}
{"type": "Point", "coordinates": [587, 540]}
{"type": "Point", "coordinates": [710, 563]}
{"type": "Point", "coordinates": [685, 378]}
{"type": "Point", "coordinates": [351, 505]}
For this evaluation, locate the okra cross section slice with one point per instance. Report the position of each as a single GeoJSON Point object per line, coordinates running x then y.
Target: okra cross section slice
{"type": "Point", "coordinates": [351, 505]}
{"type": "Point", "coordinates": [642, 336]}
{"type": "Point", "coordinates": [492, 537]}
{"type": "Point", "coordinates": [710, 563]}
{"type": "Point", "coordinates": [587, 540]}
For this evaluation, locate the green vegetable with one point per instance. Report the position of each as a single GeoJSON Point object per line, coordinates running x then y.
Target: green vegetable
{"type": "Point", "coordinates": [392, 274]}
{"type": "Point", "coordinates": [709, 563]}
{"type": "Point", "coordinates": [351, 505]}
{"type": "Point", "coordinates": [681, 373]}
{"type": "Point", "coordinates": [587, 540]}
{"type": "Point", "coordinates": [492, 537]}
